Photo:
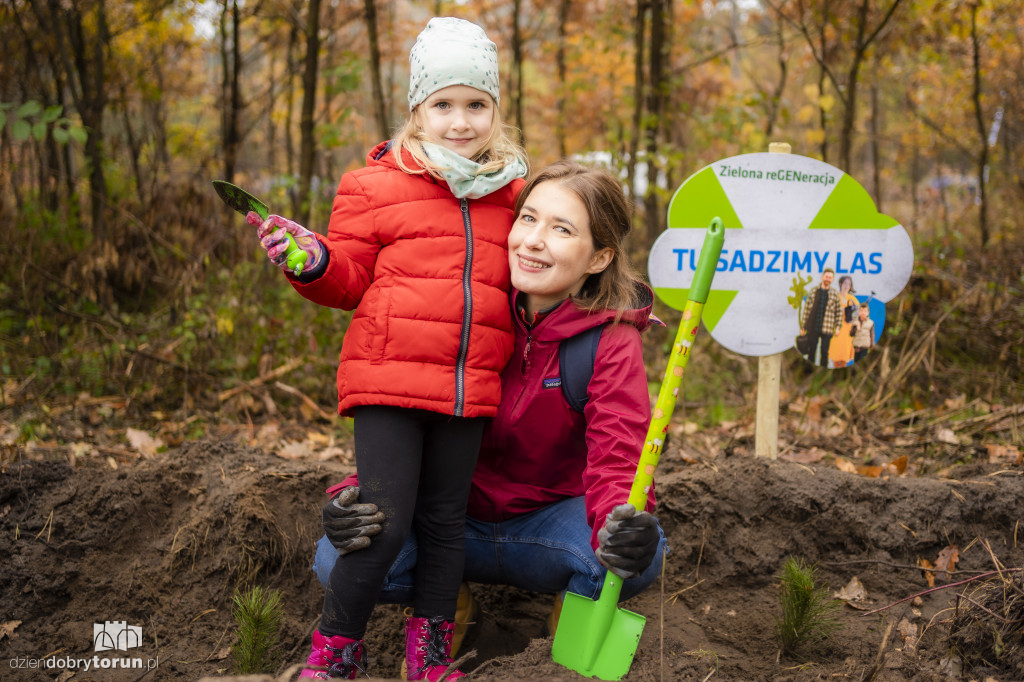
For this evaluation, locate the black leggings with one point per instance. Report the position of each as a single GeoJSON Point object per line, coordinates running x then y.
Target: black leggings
{"type": "Point", "coordinates": [416, 466]}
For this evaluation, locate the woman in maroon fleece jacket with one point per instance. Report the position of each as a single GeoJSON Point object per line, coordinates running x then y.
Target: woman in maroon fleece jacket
{"type": "Point", "coordinates": [548, 511]}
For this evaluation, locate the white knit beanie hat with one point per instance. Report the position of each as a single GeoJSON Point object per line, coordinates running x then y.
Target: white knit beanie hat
{"type": "Point", "coordinates": [451, 51]}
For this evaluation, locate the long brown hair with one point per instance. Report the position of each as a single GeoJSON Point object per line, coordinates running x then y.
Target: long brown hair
{"type": "Point", "coordinates": [608, 210]}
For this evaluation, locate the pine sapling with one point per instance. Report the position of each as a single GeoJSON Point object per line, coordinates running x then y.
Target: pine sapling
{"type": "Point", "coordinates": [258, 615]}
{"type": "Point", "coordinates": [808, 613]}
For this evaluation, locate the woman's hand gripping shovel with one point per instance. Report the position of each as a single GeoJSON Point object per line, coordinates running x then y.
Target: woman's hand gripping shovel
{"type": "Point", "coordinates": [597, 638]}
{"type": "Point", "coordinates": [243, 202]}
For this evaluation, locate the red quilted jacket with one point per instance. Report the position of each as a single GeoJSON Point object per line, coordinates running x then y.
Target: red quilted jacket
{"type": "Point", "coordinates": [428, 276]}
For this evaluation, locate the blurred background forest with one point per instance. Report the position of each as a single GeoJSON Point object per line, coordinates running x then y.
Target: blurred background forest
{"type": "Point", "coordinates": [128, 284]}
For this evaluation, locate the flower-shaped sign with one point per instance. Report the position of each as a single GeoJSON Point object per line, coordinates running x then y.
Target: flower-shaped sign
{"type": "Point", "coordinates": [792, 224]}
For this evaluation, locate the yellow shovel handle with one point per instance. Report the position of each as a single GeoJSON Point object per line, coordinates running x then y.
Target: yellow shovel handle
{"type": "Point", "coordinates": [677, 361]}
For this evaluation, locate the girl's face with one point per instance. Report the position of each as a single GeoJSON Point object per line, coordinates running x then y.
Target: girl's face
{"type": "Point", "coordinates": [551, 249]}
{"type": "Point", "coordinates": [459, 118]}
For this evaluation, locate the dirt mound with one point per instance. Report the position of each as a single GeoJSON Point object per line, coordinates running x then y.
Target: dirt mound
{"type": "Point", "coordinates": [161, 546]}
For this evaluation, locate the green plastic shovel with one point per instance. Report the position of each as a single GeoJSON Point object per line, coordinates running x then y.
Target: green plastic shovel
{"type": "Point", "coordinates": [597, 638]}
{"type": "Point", "coordinates": [243, 202]}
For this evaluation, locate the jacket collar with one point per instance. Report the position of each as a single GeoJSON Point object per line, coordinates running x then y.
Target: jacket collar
{"type": "Point", "coordinates": [565, 319]}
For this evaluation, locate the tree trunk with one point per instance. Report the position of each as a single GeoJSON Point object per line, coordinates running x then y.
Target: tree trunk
{"type": "Point", "coordinates": [379, 110]}
{"type": "Point", "coordinates": [84, 60]}
{"type": "Point", "coordinates": [863, 42]}
{"type": "Point", "coordinates": [134, 146]}
{"type": "Point", "coordinates": [639, 43]}
{"type": "Point", "coordinates": [563, 87]}
{"type": "Point", "coordinates": [979, 119]}
{"type": "Point", "coordinates": [876, 154]}
{"type": "Point", "coordinates": [655, 117]}
{"type": "Point", "coordinates": [231, 59]}
{"type": "Point", "coordinates": [90, 59]}
{"type": "Point", "coordinates": [780, 87]}
{"type": "Point", "coordinates": [822, 114]}
{"type": "Point", "coordinates": [289, 138]}
{"type": "Point", "coordinates": [517, 71]}
{"type": "Point", "coordinates": [306, 121]}
{"type": "Point", "coordinates": [850, 96]}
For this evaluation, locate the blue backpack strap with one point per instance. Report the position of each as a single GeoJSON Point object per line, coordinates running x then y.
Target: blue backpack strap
{"type": "Point", "coordinates": [576, 356]}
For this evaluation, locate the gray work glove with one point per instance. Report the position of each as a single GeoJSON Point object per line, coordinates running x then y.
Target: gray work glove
{"type": "Point", "coordinates": [348, 525]}
{"type": "Point", "coordinates": [628, 542]}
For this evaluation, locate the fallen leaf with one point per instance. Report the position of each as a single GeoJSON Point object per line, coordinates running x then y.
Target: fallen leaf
{"type": "Point", "coordinates": [144, 444]}
{"type": "Point", "coordinates": [846, 465]}
{"type": "Point", "coordinates": [908, 633]}
{"type": "Point", "coordinates": [999, 453]}
{"type": "Point", "coordinates": [928, 575]}
{"type": "Point", "coordinates": [854, 591]}
{"type": "Point", "coordinates": [956, 402]}
{"type": "Point", "coordinates": [804, 456]}
{"type": "Point", "coordinates": [295, 450]}
{"type": "Point", "coordinates": [82, 449]}
{"type": "Point", "coordinates": [267, 436]}
{"type": "Point", "coordinates": [222, 654]}
{"type": "Point", "coordinates": [317, 438]}
{"type": "Point", "coordinates": [7, 629]}
{"type": "Point", "coordinates": [946, 563]}
{"type": "Point", "coordinates": [333, 451]}
{"type": "Point", "coordinates": [836, 427]}
{"type": "Point", "coordinates": [869, 471]}
{"type": "Point", "coordinates": [814, 406]}
{"type": "Point", "coordinates": [946, 436]}
{"type": "Point", "coordinates": [898, 466]}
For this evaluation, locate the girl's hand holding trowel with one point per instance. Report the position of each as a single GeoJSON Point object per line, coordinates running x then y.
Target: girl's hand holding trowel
{"type": "Point", "coordinates": [274, 233]}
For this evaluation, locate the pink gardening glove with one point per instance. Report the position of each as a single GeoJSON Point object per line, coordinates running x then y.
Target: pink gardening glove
{"type": "Point", "coordinates": [273, 234]}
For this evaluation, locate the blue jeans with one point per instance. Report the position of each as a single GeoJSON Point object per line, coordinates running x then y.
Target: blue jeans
{"type": "Point", "coordinates": [544, 551]}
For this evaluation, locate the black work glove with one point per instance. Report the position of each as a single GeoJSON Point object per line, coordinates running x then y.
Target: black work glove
{"type": "Point", "coordinates": [348, 525]}
{"type": "Point", "coordinates": [628, 541]}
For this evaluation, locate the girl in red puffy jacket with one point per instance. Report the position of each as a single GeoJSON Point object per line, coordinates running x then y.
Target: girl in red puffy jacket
{"type": "Point", "coordinates": [416, 245]}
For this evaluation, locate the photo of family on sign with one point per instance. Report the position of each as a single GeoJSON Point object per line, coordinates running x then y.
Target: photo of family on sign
{"type": "Point", "coordinates": [836, 326]}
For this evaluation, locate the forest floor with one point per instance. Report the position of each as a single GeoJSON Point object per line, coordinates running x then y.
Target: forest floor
{"type": "Point", "coordinates": [94, 531]}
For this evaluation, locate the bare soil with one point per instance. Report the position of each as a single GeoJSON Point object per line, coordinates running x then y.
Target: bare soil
{"type": "Point", "coordinates": [161, 544]}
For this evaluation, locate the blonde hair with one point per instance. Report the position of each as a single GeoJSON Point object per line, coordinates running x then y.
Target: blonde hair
{"type": "Point", "coordinates": [617, 287]}
{"type": "Point", "coordinates": [499, 149]}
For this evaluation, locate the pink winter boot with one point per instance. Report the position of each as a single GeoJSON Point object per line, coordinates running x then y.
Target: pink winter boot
{"type": "Point", "coordinates": [428, 645]}
{"type": "Point", "coordinates": [343, 657]}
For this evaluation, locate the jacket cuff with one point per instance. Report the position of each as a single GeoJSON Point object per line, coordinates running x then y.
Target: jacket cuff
{"type": "Point", "coordinates": [316, 273]}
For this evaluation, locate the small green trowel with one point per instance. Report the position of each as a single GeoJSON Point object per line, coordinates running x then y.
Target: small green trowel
{"type": "Point", "coordinates": [597, 638]}
{"type": "Point", "coordinates": [243, 202]}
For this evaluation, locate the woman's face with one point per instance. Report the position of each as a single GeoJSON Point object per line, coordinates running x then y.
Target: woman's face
{"type": "Point", "coordinates": [550, 248]}
{"type": "Point", "coordinates": [845, 284]}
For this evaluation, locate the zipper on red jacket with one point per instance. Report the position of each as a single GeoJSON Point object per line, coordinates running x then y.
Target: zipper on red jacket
{"type": "Point", "coordinates": [467, 312]}
{"type": "Point", "coordinates": [526, 351]}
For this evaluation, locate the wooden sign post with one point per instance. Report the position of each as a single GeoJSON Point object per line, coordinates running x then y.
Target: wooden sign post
{"type": "Point", "coordinates": [769, 374]}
